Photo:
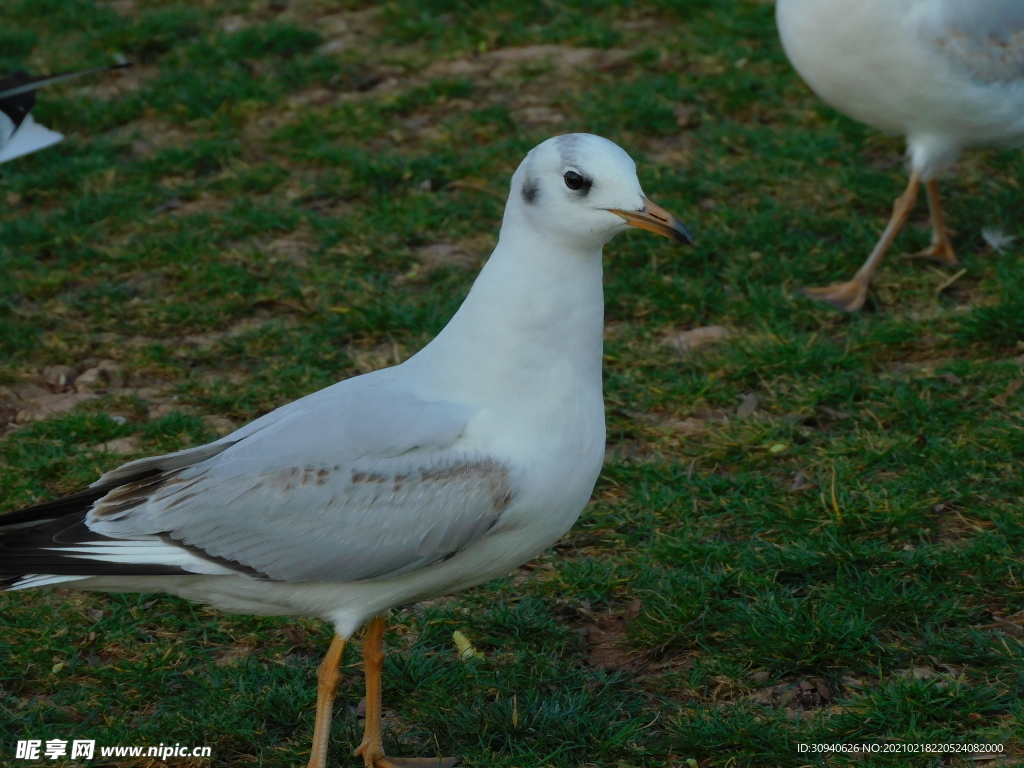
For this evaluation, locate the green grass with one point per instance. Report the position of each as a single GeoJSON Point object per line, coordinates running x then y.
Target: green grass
{"type": "Point", "coordinates": [238, 225]}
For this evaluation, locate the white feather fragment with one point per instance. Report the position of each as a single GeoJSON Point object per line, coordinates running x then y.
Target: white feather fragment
{"type": "Point", "coordinates": [997, 240]}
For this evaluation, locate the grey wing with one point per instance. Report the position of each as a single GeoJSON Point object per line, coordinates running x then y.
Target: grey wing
{"type": "Point", "coordinates": [983, 37]}
{"type": "Point", "coordinates": [369, 487]}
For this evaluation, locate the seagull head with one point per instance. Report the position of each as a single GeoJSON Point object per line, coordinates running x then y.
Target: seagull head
{"type": "Point", "coordinates": [583, 188]}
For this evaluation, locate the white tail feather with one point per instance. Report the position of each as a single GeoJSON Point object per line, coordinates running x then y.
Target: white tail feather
{"type": "Point", "coordinates": [151, 552]}
{"type": "Point", "coordinates": [29, 137]}
{"type": "Point", "coordinates": [30, 580]}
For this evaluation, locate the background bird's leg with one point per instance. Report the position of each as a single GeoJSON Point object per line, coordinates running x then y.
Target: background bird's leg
{"type": "Point", "coordinates": [850, 296]}
{"type": "Point", "coordinates": [371, 749]}
{"type": "Point", "coordinates": [328, 679]}
{"type": "Point", "coordinates": [941, 248]}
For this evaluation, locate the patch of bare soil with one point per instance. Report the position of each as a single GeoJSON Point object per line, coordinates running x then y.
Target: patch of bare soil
{"type": "Point", "coordinates": [505, 63]}
{"type": "Point", "coordinates": [294, 246]}
{"type": "Point", "coordinates": [467, 254]}
{"type": "Point", "coordinates": [25, 402]}
{"type": "Point", "coordinates": [606, 644]}
{"type": "Point", "coordinates": [121, 7]}
{"type": "Point", "coordinates": [685, 342]}
{"type": "Point", "coordinates": [953, 528]}
{"type": "Point", "coordinates": [122, 446]}
{"type": "Point", "coordinates": [676, 151]}
{"type": "Point", "coordinates": [118, 83]}
{"type": "Point", "coordinates": [690, 426]}
{"type": "Point", "coordinates": [369, 357]}
{"type": "Point", "coordinates": [232, 655]}
{"type": "Point", "coordinates": [607, 640]}
{"type": "Point", "coordinates": [203, 203]}
{"type": "Point", "coordinates": [343, 30]}
{"type": "Point", "coordinates": [148, 135]}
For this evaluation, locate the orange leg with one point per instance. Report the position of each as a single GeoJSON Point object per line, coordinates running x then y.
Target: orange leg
{"type": "Point", "coordinates": [850, 296]}
{"type": "Point", "coordinates": [371, 749]}
{"type": "Point", "coordinates": [941, 248]}
{"type": "Point", "coordinates": [328, 679]}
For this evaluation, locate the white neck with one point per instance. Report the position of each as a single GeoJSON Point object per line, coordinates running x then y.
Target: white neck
{"type": "Point", "coordinates": [531, 325]}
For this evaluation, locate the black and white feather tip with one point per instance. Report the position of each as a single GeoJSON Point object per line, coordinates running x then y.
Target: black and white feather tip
{"type": "Point", "coordinates": [20, 134]}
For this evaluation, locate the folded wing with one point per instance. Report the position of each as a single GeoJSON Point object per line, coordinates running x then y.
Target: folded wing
{"type": "Point", "coordinates": [983, 37]}
{"type": "Point", "coordinates": [362, 482]}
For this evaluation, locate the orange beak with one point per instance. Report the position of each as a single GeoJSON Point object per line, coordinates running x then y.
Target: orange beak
{"type": "Point", "coordinates": [656, 219]}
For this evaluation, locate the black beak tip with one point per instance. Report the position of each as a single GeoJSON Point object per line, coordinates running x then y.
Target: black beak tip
{"type": "Point", "coordinates": [682, 234]}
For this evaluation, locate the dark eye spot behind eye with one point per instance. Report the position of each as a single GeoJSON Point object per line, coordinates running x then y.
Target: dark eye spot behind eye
{"type": "Point", "coordinates": [577, 182]}
{"type": "Point", "coordinates": [530, 190]}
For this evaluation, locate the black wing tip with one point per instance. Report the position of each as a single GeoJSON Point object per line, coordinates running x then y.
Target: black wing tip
{"type": "Point", "coordinates": [47, 511]}
{"type": "Point", "coordinates": [19, 83]}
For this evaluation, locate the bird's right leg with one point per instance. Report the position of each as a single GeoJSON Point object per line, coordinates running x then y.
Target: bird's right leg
{"type": "Point", "coordinates": [371, 749]}
{"type": "Point", "coordinates": [328, 679]}
{"type": "Point", "coordinates": [850, 296]}
{"type": "Point", "coordinates": [941, 248]}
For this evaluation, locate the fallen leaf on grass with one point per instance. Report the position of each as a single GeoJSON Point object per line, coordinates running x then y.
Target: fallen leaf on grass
{"type": "Point", "coordinates": [835, 413]}
{"type": "Point", "coordinates": [1011, 388]}
{"type": "Point", "coordinates": [60, 377]}
{"type": "Point", "coordinates": [633, 610]}
{"type": "Point", "coordinates": [465, 648]}
{"type": "Point", "coordinates": [749, 405]}
{"type": "Point", "coordinates": [800, 483]}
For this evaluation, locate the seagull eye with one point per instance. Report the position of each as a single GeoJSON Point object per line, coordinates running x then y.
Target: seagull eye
{"type": "Point", "coordinates": [573, 180]}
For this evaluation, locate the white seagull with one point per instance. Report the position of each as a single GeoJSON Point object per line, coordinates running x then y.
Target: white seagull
{"type": "Point", "coordinates": [407, 483]}
{"type": "Point", "coordinates": [20, 134]}
{"type": "Point", "coordinates": [946, 74]}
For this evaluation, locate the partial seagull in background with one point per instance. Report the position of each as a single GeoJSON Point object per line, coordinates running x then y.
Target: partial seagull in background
{"type": "Point", "coordinates": [946, 74]}
{"type": "Point", "coordinates": [411, 482]}
{"type": "Point", "coordinates": [20, 134]}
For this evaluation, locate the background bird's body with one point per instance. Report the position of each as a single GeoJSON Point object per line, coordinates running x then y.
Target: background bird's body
{"type": "Point", "coordinates": [20, 134]}
{"type": "Point", "coordinates": [915, 68]}
{"type": "Point", "coordinates": [24, 137]}
{"type": "Point", "coordinates": [946, 74]}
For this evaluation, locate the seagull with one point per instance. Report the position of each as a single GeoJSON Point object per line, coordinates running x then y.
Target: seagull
{"type": "Point", "coordinates": [407, 483]}
{"type": "Point", "coordinates": [946, 74]}
{"type": "Point", "coordinates": [20, 134]}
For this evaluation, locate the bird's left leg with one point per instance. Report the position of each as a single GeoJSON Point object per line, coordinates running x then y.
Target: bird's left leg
{"type": "Point", "coordinates": [328, 679]}
{"type": "Point", "coordinates": [371, 749]}
{"type": "Point", "coordinates": [941, 248]}
{"type": "Point", "coordinates": [851, 295]}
